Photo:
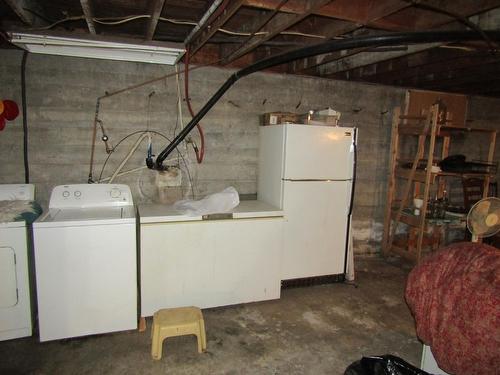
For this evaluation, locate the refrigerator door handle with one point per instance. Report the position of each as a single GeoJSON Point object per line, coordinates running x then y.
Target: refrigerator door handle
{"type": "Point", "coordinates": [348, 197]}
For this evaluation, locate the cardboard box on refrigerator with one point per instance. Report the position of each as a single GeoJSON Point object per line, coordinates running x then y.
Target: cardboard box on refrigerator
{"type": "Point", "coordinates": [275, 118]}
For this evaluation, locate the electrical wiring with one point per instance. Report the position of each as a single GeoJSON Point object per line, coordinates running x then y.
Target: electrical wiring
{"type": "Point", "coordinates": [179, 118]}
{"type": "Point", "coordinates": [201, 152]}
{"type": "Point", "coordinates": [25, 118]}
{"type": "Point", "coordinates": [121, 20]}
{"type": "Point", "coordinates": [54, 24]}
{"type": "Point", "coordinates": [142, 132]}
{"type": "Point", "coordinates": [126, 89]}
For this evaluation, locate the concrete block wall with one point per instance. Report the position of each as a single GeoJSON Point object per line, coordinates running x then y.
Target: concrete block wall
{"type": "Point", "coordinates": [62, 93]}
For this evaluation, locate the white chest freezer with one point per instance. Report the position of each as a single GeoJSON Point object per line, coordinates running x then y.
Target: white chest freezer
{"type": "Point", "coordinates": [220, 260]}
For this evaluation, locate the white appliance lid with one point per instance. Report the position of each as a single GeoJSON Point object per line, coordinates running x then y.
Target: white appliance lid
{"type": "Point", "coordinates": [158, 213]}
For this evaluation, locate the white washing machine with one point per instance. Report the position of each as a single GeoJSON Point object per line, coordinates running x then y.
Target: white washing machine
{"type": "Point", "coordinates": [15, 306]}
{"type": "Point", "coordinates": [85, 258]}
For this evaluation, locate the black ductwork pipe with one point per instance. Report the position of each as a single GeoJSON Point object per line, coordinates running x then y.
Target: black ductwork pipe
{"type": "Point", "coordinates": [318, 49]}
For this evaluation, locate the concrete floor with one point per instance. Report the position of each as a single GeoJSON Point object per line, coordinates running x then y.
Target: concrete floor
{"type": "Point", "coordinates": [312, 330]}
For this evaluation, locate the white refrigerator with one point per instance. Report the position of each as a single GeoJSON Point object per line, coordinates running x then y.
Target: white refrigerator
{"type": "Point", "coordinates": [309, 172]}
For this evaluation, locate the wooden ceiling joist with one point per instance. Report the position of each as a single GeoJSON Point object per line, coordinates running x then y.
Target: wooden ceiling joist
{"type": "Point", "coordinates": [207, 30]}
{"type": "Point", "coordinates": [155, 11]}
{"type": "Point", "coordinates": [280, 22]}
{"type": "Point", "coordinates": [425, 67]}
{"type": "Point", "coordinates": [25, 10]}
{"type": "Point", "coordinates": [332, 69]}
{"type": "Point", "coordinates": [360, 12]}
{"type": "Point", "coordinates": [89, 15]}
{"type": "Point", "coordinates": [370, 17]}
{"type": "Point", "coordinates": [365, 59]}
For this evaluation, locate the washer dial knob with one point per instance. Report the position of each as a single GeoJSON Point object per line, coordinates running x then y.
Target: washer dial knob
{"type": "Point", "coordinates": [115, 193]}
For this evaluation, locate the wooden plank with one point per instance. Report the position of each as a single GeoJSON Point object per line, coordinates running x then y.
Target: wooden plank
{"type": "Point", "coordinates": [455, 103]}
{"type": "Point", "coordinates": [391, 179]}
{"type": "Point", "coordinates": [371, 59]}
{"type": "Point", "coordinates": [361, 12]}
{"type": "Point", "coordinates": [404, 173]}
{"type": "Point", "coordinates": [366, 59]}
{"type": "Point", "coordinates": [491, 159]}
{"type": "Point", "coordinates": [428, 176]}
{"type": "Point", "coordinates": [20, 8]}
{"type": "Point", "coordinates": [409, 182]}
{"type": "Point", "coordinates": [210, 28]}
{"type": "Point", "coordinates": [372, 17]}
{"type": "Point", "coordinates": [155, 11]}
{"type": "Point", "coordinates": [280, 22]}
{"type": "Point", "coordinates": [89, 15]}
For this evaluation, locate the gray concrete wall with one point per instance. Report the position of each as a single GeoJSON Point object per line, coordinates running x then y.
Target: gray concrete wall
{"type": "Point", "coordinates": [62, 93]}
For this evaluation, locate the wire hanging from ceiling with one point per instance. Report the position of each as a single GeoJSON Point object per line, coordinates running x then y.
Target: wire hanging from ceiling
{"type": "Point", "coordinates": [201, 152]}
{"type": "Point", "coordinates": [113, 21]}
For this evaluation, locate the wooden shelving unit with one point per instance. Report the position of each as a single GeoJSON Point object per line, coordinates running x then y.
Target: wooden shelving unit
{"type": "Point", "coordinates": [432, 129]}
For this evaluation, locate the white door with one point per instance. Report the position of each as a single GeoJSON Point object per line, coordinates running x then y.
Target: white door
{"type": "Point", "coordinates": [318, 152]}
{"type": "Point", "coordinates": [315, 228]}
{"type": "Point", "coordinates": [15, 310]}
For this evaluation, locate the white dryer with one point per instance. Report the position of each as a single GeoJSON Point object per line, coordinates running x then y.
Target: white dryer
{"type": "Point", "coordinates": [85, 258]}
{"type": "Point", "coordinates": [15, 306]}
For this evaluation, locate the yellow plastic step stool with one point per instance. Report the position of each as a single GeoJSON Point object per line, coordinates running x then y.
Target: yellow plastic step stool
{"type": "Point", "coordinates": [178, 321]}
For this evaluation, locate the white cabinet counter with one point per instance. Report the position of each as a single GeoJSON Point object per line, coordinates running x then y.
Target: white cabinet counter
{"type": "Point", "coordinates": [209, 261]}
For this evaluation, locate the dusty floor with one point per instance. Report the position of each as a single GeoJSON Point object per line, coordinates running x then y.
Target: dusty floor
{"type": "Point", "coordinates": [313, 330]}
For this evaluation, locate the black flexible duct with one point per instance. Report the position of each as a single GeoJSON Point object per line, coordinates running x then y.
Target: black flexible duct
{"type": "Point", "coordinates": [25, 118]}
{"type": "Point", "coordinates": [318, 49]}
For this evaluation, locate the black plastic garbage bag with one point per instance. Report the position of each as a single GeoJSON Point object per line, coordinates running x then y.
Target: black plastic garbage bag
{"type": "Point", "coordinates": [383, 365]}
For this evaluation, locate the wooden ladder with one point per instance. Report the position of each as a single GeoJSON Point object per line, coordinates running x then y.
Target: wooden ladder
{"type": "Point", "coordinates": [394, 214]}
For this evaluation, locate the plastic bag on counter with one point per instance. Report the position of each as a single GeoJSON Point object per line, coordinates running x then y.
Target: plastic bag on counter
{"type": "Point", "coordinates": [383, 365]}
{"type": "Point", "coordinates": [221, 202]}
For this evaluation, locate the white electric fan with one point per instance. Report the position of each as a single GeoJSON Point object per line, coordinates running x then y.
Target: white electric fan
{"type": "Point", "coordinates": [483, 219]}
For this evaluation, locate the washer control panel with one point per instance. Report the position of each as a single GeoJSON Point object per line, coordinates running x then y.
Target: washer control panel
{"type": "Point", "coordinates": [90, 195]}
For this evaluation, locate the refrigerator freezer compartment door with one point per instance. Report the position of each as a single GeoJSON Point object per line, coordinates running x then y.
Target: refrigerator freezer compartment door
{"type": "Point", "coordinates": [318, 153]}
{"type": "Point", "coordinates": [315, 228]}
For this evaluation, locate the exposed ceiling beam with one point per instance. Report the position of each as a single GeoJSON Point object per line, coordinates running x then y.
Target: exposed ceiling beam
{"type": "Point", "coordinates": [360, 12]}
{"type": "Point", "coordinates": [425, 67]}
{"type": "Point", "coordinates": [370, 17]}
{"type": "Point", "coordinates": [429, 17]}
{"type": "Point", "coordinates": [25, 10]}
{"type": "Point", "coordinates": [257, 23]}
{"type": "Point", "coordinates": [280, 22]}
{"type": "Point", "coordinates": [207, 30]}
{"type": "Point", "coordinates": [155, 11]}
{"type": "Point", "coordinates": [363, 59]}
{"type": "Point", "coordinates": [89, 15]}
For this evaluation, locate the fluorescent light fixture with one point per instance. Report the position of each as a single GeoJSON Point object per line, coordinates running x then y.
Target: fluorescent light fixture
{"type": "Point", "coordinates": [100, 48]}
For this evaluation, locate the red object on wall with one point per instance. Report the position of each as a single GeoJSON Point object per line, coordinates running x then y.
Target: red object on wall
{"type": "Point", "coordinates": [11, 110]}
{"type": "Point", "coordinates": [8, 112]}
